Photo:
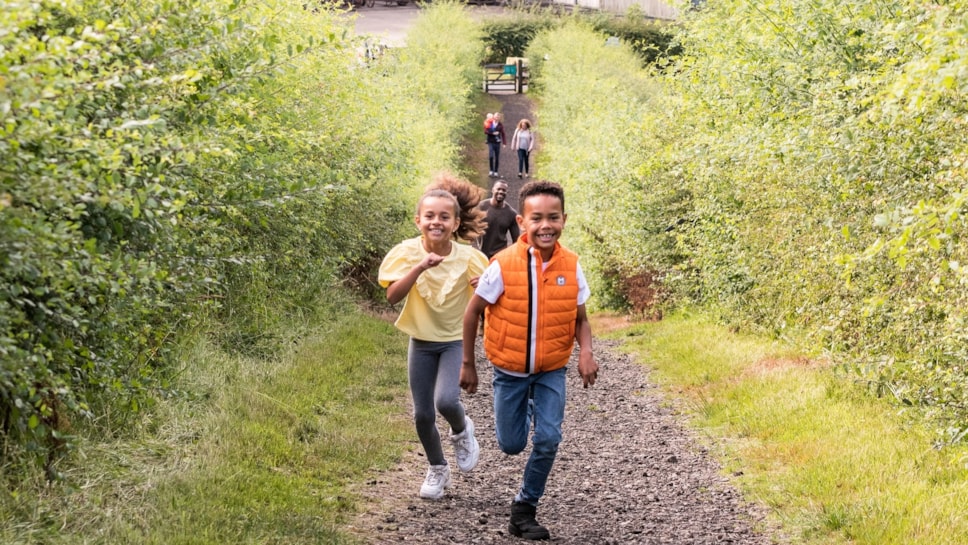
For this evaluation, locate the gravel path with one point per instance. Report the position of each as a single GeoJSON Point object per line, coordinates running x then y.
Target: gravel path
{"type": "Point", "coordinates": [627, 470]}
{"type": "Point", "coordinates": [514, 108]}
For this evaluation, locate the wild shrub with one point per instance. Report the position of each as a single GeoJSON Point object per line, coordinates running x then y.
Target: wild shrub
{"type": "Point", "coordinates": [800, 167]}
{"type": "Point", "coordinates": [832, 158]}
{"type": "Point", "coordinates": [595, 149]}
{"type": "Point", "coordinates": [183, 168]}
{"type": "Point", "coordinates": [511, 36]}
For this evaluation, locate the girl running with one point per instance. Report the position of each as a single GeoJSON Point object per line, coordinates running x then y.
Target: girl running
{"type": "Point", "coordinates": [435, 275]}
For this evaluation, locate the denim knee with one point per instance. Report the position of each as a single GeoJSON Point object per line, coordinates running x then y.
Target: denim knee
{"type": "Point", "coordinates": [547, 446]}
{"type": "Point", "coordinates": [512, 447]}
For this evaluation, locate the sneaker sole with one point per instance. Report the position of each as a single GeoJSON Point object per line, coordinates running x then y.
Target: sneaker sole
{"type": "Point", "coordinates": [430, 496]}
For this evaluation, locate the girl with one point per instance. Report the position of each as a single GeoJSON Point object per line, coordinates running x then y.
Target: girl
{"type": "Point", "coordinates": [435, 275]}
{"type": "Point", "coordinates": [523, 141]}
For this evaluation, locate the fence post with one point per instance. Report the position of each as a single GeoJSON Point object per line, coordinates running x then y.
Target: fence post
{"type": "Point", "coordinates": [518, 76]}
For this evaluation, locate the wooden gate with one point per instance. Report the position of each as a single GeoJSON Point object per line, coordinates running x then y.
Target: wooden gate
{"type": "Point", "coordinates": [508, 78]}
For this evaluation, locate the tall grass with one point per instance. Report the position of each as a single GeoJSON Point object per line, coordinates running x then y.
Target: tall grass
{"type": "Point", "coordinates": [831, 463]}
{"type": "Point", "coordinates": [261, 451]}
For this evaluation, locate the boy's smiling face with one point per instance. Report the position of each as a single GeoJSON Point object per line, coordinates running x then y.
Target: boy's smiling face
{"type": "Point", "coordinates": [542, 218]}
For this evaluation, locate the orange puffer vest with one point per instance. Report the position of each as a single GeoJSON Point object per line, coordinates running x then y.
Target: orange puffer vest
{"type": "Point", "coordinates": [531, 327]}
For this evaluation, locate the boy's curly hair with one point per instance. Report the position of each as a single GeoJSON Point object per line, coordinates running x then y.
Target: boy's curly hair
{"type": "Point", "coordinates": [468, 196]}
{"type": "Point", "coordinates": [542, 187]}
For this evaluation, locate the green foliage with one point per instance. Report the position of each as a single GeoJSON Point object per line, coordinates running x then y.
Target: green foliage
{"type": "Point", "coordinates": [594, 148]}
{"type": "Point", "coordinates": [650, 40]}
{"type": "Point", "coordinates": [433, 79]}
{"type": "Point", "coordinates": [168, 166]}
{"type": "Point", "coordinates": [263, 451]}
{"type": "Point", "coordinates": [511, 36]}
{"type": "Point", "coordinates": [100, 196]}
{"type": "Point", "coordinates": [807, 162]}
{"type": "Point", "coordinates": [241, 221]}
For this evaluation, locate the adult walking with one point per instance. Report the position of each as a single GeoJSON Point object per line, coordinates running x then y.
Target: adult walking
{"type": "Point", "coordinates": [496, 139]}
{"type": "Point", "coordinates": [523, 142]}
{"type": "Point", "coordinates": [501, 219]}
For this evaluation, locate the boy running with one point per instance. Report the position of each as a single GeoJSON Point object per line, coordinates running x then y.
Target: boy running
{"type": "Point", "coordinates": [533, 294]}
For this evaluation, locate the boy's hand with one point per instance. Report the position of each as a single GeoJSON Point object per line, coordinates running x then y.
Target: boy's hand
{"type": "Point", "coordinates": [587, 368]}
{"type": "Point", "coordinates": [468, 377]}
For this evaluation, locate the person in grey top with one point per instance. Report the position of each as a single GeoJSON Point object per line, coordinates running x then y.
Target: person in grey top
{"type": "Point", "coordinates": [523, 142]}
{"type": "Point", "coordinates": [501, 221]}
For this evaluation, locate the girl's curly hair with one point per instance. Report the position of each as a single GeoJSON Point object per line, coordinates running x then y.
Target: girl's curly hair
{"type": "Point", "coordinates": [467, 197]}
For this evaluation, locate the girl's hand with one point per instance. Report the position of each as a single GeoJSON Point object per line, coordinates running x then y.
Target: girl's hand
{"type": "Point", "coordinates": [432, 260]}
{"type": "Point", "coordinates": [474, 281]}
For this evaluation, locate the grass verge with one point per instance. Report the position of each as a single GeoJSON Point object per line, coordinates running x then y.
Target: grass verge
{"type": "Point", "coordinates": [267, 453]}
{"type": "Point", "coordinates": [833, 464]}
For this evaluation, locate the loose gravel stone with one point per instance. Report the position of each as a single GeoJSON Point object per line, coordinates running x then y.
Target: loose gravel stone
{"type": "Point", "coordinates": [628, 472]}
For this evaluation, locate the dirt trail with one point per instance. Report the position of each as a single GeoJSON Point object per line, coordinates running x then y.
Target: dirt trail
{"type": "Point", "coordinates": [627, 471]}
{"type": "Point", "coordinates": [514, 108]}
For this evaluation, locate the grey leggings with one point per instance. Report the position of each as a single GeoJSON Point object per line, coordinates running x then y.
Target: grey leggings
{"type": "Point", "coordinates": [434, 369]}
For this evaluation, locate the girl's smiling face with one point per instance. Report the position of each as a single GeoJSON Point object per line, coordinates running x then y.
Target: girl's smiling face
{"type": "Point", "coordinates": [437, 220]}
{"type": "Point", "coordinates": [543, 219]}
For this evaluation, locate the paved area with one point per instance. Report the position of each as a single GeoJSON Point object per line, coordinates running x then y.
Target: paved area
{"type": "Point", "coordinates": [390, 23]}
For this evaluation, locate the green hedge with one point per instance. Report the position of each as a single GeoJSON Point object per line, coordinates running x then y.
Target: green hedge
{"type": "Point", "coordinates": [801, 168]}
{"type": "Point", "coordinates": [511, 36]}
{"type": "Point", "coordinates": [172, 169]}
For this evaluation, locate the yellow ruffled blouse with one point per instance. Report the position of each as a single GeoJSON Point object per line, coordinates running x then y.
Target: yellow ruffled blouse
{"type": "Point", "coordinates": [434, 308]}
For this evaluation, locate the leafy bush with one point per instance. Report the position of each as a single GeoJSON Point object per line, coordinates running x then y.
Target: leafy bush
{"type": "Point", "coordinates": [650, 40]}
{"type": "Point", "coordinates": [103, 186]}
{"type": "Point", "coordinates": [595, 149]}
{"type": "Point", "coordinates": [807, 162]}
{"type": "Point", "coordinates": [173, 167]}
{"type": "Point", "coordinates": [511, 36]}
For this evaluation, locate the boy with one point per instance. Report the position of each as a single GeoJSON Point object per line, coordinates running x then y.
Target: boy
{"type": "Point", "coordinates": [533, 294]}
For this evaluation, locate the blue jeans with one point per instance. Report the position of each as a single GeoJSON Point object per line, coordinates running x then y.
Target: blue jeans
{"type": "Point", "coordinates": [523, 156]}
{"type": "Point", "coordinates": [518, 400]}
{"type": "Point", "coordinates": [493, 156]}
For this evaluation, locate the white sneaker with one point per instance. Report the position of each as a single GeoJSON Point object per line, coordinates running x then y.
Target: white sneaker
{"type": "Point", "coordinates": [438, 478]}
{"type": "Point", "coordinates": [466, 447]}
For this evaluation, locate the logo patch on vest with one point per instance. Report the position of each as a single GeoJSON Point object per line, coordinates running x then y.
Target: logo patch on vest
{"type": "Point", "coordinates": [561, 280]}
